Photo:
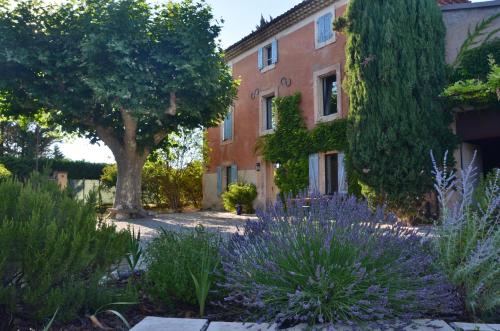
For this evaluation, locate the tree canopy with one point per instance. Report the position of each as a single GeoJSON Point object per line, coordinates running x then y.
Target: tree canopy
{"type": "Point", "coordinates": [121, 71]}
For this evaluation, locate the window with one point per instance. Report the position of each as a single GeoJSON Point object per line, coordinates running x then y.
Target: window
{"type": "Point", "coordinates": [268, 55]}
{"type": "Point", "coordinates": [330, 95]}
{"type": "Point", "coordinates": [324, 30]}
{"type": "Point", "coordinates": [331, 174]}
{"type": "Point", "coordinates": [327, 93]}
{"type": "Point", "coordinates": [227, 127]}
{"type": "Point", "coordinates": [269, 121]}
{"type": "Point", "coordinates": [226, 175]}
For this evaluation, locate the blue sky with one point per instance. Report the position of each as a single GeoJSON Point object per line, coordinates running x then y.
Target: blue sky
{"type": "Point", "coordinates": [240, 18]}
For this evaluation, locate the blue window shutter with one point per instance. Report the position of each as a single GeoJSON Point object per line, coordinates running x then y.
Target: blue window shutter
{"type": "Point", "coordinates": [227, 130]}
{"type": "Point", "coordinates": [234, 173]}
{"type": "Point", "coordinates": [219, 180]}
{"type": "Point", "coordinates": [328, 26]}
{"type": "Point", "coordinates": [314, 173]}
{"type": "Point", "coordinates": [342, 177]}
{"type": "Point", "coordinates": [261, 59]}
{"type": "Point", "coordinates": [230, 125]}
{"type": "Point", "coordinates": [274, 51]}
{"type": "Point", "coordinates": [325, 28]}
{"type": "Point", "coordinates": [319, 29]}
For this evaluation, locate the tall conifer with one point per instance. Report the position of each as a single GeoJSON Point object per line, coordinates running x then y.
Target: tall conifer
{"type": "Point", "coordinates": [395, 72]}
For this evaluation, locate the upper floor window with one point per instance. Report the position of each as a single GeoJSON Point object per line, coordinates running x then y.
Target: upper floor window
{"type": "Point", "coordinates": [324, 30]}
{"type": "Point", "coordinates": [327, 93]}
{"type": "Point", "coordinates": [330, 95]}
{"type": "Point", "coordinates": [268, 55]}
{"type": "Point", "coordinates": [227, 127]}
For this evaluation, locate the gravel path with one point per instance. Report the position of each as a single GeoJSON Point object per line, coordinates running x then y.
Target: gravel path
{"type": "Point", "coordinates": [225, 223]}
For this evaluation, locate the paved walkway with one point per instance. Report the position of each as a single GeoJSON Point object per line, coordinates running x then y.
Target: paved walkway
{"type": "Point", "coordinates": [175, 324]}
{"type": "Point", "coordinates": [225, 223]}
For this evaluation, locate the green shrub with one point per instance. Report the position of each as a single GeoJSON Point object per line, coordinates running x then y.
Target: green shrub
{"type": "Point", "coordinates": [468, 239]}
{"type": "Point", "coordinates": [4, 172]}
{"type": "Point", "coordinates": [174, 260]}
{"type": "Point", "coordinates": [165, 186]}
{"type": "Point", "coordinates": [109, 176]}
{"type": "Point", "coordinates": [242, 194]}
{"type": "Point", "coordinates": [54, 252]}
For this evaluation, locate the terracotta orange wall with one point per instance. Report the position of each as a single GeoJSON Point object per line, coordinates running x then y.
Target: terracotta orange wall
{"type": "Point", "coordinates": [297, 60]}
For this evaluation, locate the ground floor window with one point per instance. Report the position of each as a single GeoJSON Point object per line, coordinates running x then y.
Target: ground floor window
{"type": "Point", "coordinates": [229, 177]}
{"type": "Point", "coordinates": [226, 175]}
{"type": "Point", "coordinates": [331, 174]}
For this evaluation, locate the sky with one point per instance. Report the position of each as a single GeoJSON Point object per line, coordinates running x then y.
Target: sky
{"type": "Point", "coordinates": [240, 18]}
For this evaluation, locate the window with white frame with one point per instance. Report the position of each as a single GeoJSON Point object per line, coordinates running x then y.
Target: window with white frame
{"type": "Point", "coordinates": [327, 93]}
{"type": "Point", "coordinates": [324, 30]}
{"type": "Point", "coordinates": [268, 55]}
{"type": "Point", "coordinates": [227, 127]}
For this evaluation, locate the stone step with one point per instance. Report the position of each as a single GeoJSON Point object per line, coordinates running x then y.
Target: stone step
{"type": "Point", "coordinates": [186, 324]}
{"type": "Point", "coordinates": [458, 326]}
{"type": "Point", "coordinates": [233, 326]}
{"type": "Point", "coordinates": [417, 325]}
{"type": "Point", "coordinates": [170, 324]}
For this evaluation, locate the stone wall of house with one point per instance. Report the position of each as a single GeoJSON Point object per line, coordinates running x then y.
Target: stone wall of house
{"type": "Point", "coordinates": [462, 18]}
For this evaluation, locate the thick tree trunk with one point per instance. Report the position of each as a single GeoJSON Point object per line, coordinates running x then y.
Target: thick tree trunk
{"type": "Point", "coordinates": [128, 184]}
{"type": "Point", "coordinates": [130, 159]}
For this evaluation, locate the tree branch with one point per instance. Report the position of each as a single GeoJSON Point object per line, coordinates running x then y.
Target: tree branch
{"type": "Point", "coordinates": [108, 137]}
{"type": "Point", "coordinates": [172, 109]}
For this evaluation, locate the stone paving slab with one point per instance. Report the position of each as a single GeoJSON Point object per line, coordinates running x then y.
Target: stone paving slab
{"type": "Point", "coordinates": [232, 326]}
{"type": "Point", "coordinates": [184, 324]}
{"type": "Point", "coordinates": [170, 324]}
{"type": "Point", "coordinates": [417, 325]}
{"type": "Point", "coordinates": [475, 327]}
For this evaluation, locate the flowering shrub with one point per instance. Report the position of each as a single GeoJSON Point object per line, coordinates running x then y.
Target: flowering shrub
{"type": "Point", "coordinates": [332, 261]}
{"type": "Point", "coordinates": [468, 240]}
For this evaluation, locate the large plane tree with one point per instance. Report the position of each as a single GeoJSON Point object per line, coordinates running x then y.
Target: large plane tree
{"type": "Point", "coordinates": [122, 72]}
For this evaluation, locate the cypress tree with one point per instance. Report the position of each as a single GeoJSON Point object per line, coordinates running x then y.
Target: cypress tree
{"type": "Point", "coordinates": [395, 72]}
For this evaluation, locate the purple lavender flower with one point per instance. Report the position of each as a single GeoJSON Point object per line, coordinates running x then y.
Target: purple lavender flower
{"type": "Point", "coordinates": [336, 261]}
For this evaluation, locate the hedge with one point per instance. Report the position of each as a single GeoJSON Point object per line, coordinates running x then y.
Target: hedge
{"type": "Point", "coordinates": [21, 167]}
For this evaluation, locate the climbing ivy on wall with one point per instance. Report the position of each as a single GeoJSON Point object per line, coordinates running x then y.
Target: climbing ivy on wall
{"type": "Point", "coordinates": [475, 75]}
{"type": "Point", "coordinates": [291, 144]}
{"type": "Point", "coordinates": [395, 71]}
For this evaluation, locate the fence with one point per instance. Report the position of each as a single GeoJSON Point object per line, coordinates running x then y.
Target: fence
{"type": "Point", "coordinates": [82, 188]}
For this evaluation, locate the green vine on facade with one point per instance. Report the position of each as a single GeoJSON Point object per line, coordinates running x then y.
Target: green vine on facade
{"type": "Point", "coordinates": [475, 74]}
{"type": "Point", "coordinates": [291, 144]}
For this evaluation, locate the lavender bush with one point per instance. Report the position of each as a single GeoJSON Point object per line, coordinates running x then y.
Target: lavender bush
{"type": "Point", "coordinates": [333, 261]}
{"type": "Point", "coordinates": [468, 240]}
